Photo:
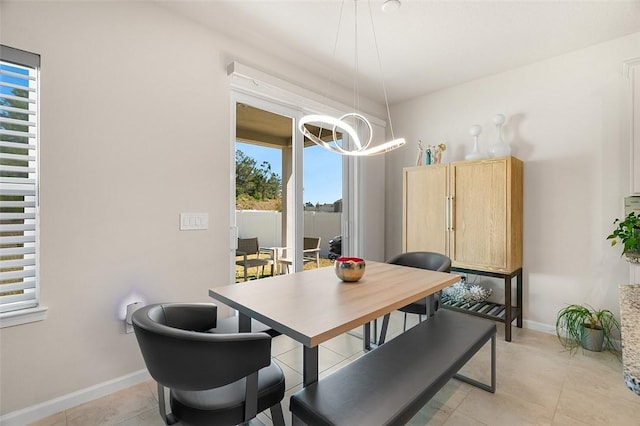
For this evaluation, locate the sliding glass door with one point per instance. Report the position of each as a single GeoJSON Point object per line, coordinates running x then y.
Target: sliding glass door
{"type": "Point", "coordinates": [265, 191]}
{"type": "Point", "coordinates": [299, 200]}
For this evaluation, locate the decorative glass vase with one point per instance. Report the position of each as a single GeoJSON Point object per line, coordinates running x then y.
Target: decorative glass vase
{"type": "Point", "coordinates": [500, 148]}
{"type": "Point", "coordinates": [474, 131]}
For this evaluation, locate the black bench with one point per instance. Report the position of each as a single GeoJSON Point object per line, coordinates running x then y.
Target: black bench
{"type": "Point", "coordinates": [390, 384]}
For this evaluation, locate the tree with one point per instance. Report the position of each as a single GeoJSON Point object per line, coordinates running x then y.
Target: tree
{"type": "Point", "coordinates": [245, 167]}
{"type": "Point", "coordinates": [256, 183]}
{"type": "Point", "coordinates": [10, 116]}
{"type": "Point", "coordinates": [11, 113]}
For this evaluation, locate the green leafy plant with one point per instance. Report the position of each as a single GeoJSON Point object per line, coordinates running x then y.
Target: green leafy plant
{"type": "Point", "coordinates": [573, 319]}
{"type": "Point", "coordinates": [628, 233]}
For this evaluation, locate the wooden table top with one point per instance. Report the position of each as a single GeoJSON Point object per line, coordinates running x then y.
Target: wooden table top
{"type": "Point", "coordinates": [314, 306]}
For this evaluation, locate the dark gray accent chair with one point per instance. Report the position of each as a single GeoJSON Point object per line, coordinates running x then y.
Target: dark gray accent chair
{"type": "Point", "coordinates": [417, 259]}
{"type": "Point", "coordinates": [221, 379]}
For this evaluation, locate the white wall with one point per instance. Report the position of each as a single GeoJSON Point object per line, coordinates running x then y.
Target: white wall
{"type": "Point", "coordinates": [135, 129]}
{"type": "Point", "coordinates": [130, 126]}
{"type": "Point", "coordinates": [568, 120]}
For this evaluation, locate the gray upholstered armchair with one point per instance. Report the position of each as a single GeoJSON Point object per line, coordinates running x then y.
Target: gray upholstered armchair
{"type": "Point", "coordinates": [222, 379]}
{"type": "Point", "coordinates": [417, 259]}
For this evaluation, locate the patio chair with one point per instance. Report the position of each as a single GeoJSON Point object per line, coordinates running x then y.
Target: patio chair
{"type": "Point", "coordinates": [311, 250]}
{"type": "Point", "coordinates": [250, 247]}
{"type": "Point", "coordinates": [310, 253]}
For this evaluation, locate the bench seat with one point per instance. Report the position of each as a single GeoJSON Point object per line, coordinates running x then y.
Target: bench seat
{"type": "Point", "coordinates": [390, 384]}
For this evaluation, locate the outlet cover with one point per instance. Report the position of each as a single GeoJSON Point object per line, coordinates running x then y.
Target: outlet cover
{"type": "Point", "coordinates": [194, 221]}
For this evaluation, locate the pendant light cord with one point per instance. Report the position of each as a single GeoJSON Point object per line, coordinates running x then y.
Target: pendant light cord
{"type": "Point", "coordinates": [356, 91]}
{"type": "Point", "coordinates": [384, 87]}
{"type": "Point", "coordinates": [357, 148]}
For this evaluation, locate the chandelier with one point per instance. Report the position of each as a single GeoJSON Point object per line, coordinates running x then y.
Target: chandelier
{"type": "Point", "coordinates": [353, 124]}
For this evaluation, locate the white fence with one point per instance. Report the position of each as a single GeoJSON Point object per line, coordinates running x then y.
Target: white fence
{"type": "Point", "coordinates": [267, 226]}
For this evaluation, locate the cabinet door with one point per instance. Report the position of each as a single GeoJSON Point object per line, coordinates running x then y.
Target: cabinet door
{"type": "Point", "coordinates": [478, 238]}
{"type": "Point", "coordinates": [425, 209]}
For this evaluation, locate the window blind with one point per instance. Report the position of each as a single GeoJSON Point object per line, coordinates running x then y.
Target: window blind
{"type": "Point", "coordinates": [19, 72]}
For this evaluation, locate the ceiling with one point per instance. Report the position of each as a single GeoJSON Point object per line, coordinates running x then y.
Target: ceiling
{"type": "Point", "coordinates": [424, 46]}
{"type": "Point", "coordinates": [261, 127]}
{"type": "Point", "coordinates": [265, 128]}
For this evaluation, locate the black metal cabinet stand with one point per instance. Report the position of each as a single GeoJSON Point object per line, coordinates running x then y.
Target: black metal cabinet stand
{"type": "Point", "coordinates": [504, 313]}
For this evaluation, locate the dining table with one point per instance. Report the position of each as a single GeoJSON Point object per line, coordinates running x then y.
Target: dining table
{"type": "Point", "coordinates": [314, 306]}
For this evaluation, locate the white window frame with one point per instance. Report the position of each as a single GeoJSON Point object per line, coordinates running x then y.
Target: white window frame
{"type": "Point", "coordinates": [19, 253]}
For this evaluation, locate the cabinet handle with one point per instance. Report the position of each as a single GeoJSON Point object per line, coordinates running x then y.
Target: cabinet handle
{"type": "Point", "coordinates": [451, 215]}
{"type": "Point", "coordinates": [446, 214]}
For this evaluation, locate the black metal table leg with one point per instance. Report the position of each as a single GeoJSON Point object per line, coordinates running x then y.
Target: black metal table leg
{"type": "Point", "coordinates": [310, 365]}
{"type": "Point", "coordinates": [366, 337]}
{"type": "Point", "coordinates": [244, 323]}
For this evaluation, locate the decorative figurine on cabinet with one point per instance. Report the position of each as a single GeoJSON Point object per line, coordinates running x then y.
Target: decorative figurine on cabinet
{"type": "Point", "coordinates": [420, 159]}
{"type": "Point", "coordinates": [430, 154]}
{"type": "Point", "coordinates": [437, 153]}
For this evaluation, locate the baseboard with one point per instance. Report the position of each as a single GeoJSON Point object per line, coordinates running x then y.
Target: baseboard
{"type": "Point", "coordinates": [551, 329]}
{"type": "Point", "coordinates": [539, 326]}
{"type": "Point", "coordinates": [47, 408]}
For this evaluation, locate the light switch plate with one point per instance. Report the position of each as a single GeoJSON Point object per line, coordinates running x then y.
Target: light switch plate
{"type": "Point", "coordinates": [194, 221]}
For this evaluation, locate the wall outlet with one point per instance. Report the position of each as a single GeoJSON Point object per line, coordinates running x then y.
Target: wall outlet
{"type": "Point", "coordinates": [131, 308]}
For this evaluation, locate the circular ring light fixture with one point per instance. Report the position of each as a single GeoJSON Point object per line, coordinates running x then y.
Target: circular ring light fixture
{"type": "Point", "coordinates": [341, 125]}
{"type": "Point", "coordinates": [356, 148]}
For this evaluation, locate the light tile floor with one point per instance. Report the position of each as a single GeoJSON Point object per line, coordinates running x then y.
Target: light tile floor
{"type": "Point", "coordinates": [538, 383]}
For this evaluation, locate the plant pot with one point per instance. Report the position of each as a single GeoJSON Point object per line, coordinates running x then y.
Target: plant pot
{"type": "Point", "coordinates": [630, 331]}
{"type": "Point", "coordinates": [592, 339]}
{"type": "Point", "coordinates": [632, 256]}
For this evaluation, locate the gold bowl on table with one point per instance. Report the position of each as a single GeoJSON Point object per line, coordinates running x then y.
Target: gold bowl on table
{"type": "Point", "coordinates": [349, 269]}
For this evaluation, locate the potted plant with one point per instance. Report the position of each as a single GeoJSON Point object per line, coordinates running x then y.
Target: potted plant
{"type": "Point", "coordinates": [583, 326]}
{"type": "Point", "coordinates": [628, 233]}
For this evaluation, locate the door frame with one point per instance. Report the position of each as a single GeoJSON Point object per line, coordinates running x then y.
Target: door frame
{"type": "Point", "coordinates": [292, 189]}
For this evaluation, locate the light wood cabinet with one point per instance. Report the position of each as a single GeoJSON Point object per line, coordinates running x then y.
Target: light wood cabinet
{"type": "Point", "coordinates": [469, 210]}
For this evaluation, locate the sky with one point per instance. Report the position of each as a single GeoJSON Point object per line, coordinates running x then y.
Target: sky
{"type": "Point", "coordinates": [10, 79]}
{"type": "Point", "coordinates": [322, 176]}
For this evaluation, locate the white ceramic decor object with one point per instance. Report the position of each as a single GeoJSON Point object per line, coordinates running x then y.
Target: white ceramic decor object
{"type": "Point", "coordinates": [475, 131]}
{"type": "Point", "coordinates": [500, 148]}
